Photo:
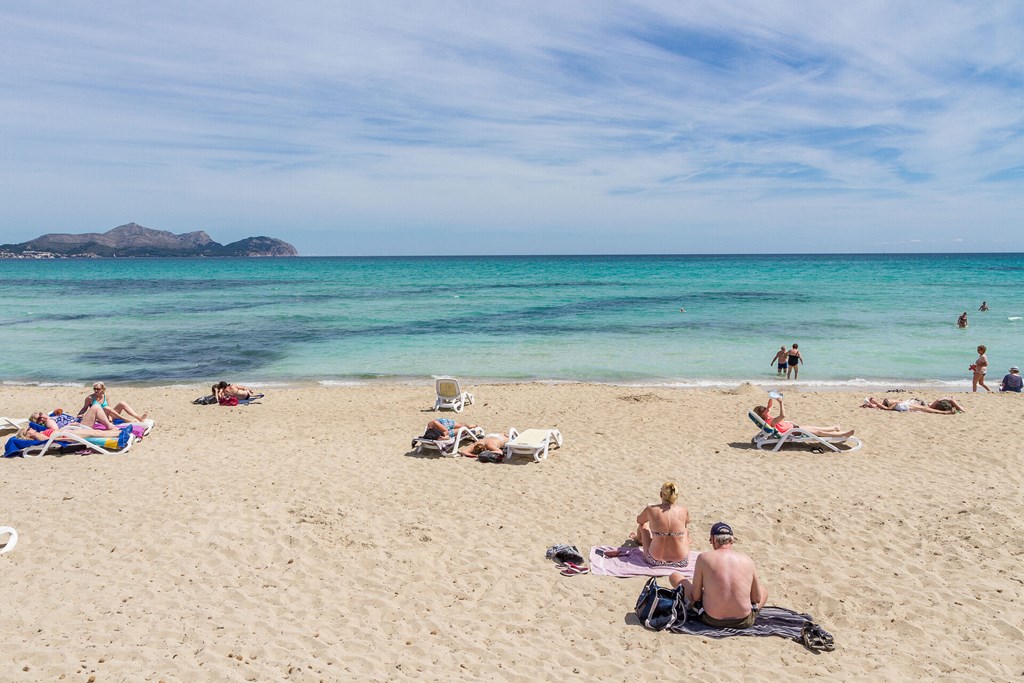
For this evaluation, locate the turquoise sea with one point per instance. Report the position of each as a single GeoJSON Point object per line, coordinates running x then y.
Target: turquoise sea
{"type": "Point", "coordinates": [859, 319]}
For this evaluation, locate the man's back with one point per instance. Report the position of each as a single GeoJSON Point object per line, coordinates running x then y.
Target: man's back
{"type": "Point", "coordinates": [728, 576]}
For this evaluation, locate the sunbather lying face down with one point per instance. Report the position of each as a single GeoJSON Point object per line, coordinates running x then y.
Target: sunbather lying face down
{"type": "Point", "coordinates": [444, 428]}
{"type": "Point", "coordinates": [493, 443]}
{"type": "Point", "coordinates": [833, 431]}
{"type": "Point", "coordinates": [941, 406]}
{"type": "Point", "coordinates": [98, 397]}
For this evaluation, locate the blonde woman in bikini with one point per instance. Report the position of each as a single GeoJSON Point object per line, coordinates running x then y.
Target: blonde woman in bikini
{"type": "Point", "coordinates": [979, 368]}
{"type": "Point", "coordinates": [662, 530]}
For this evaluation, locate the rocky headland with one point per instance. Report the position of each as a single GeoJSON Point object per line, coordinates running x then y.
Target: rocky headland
{"type": "Point", "coordinates": [136, 240]}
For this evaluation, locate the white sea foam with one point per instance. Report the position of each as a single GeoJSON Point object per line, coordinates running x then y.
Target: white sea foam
{"type": "Point", "coordinates": [1014, 317]}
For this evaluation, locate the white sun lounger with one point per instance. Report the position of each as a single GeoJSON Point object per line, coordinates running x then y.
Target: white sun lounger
{"type": "Point", "coordinates": [60, 440]}
{"type": "Point", "coordinates": [450, 395]}
{"type": "Point", "coordinates": [532, 442]}
{"type": "Point", "coordinates": [12, 539]}
{"type": "Point", "coordinates": [12, 423]}
{"type": "Point", "coordinates": [447, 446]}
{"type": "Point", "coordinates": [769, 436]}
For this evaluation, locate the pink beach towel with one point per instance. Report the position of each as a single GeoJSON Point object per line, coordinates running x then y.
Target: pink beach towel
{"type": "Point", "coordinates": [633, 563]}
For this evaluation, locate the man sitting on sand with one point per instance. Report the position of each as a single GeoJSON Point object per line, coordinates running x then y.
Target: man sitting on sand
{"type": "Point", "coordinates": [725, 591]}
{"type": "Point", "coordinates": [1012, 381]}
{"type": "Point", "coordinates": [493, 444]}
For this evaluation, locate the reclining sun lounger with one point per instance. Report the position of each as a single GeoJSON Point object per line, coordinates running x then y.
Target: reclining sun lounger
{"type": "Point", "coordinates": [769, 436]}
{"type": "Point", "coordinates": [63, 442]}
{"type": "Point", "coordinates": [12, 539]}
{"type": "Point", "coordinates": [12, 423]}
{"type": "Point", "coordinates": [447, 446]}
{"type": "Point", "coordinates": [532, 442]}
{"type": "Point", "coordinates": [450, 395]}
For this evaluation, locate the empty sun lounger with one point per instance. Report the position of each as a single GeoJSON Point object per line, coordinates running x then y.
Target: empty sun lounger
{"type": "Point", "coordinates": [447, 446]}
{"type": "Point", "coordinates": [450, 395]}
{"type": "Point", "coordinates": [8, 424]}
{"type": "Point", "coordinates": [532, 442]}
{"type": "Point", "coordinates": [768, 436]}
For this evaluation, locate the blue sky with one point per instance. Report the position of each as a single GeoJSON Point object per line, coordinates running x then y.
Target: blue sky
{"type": "Point", "coordinates": [525, 127]}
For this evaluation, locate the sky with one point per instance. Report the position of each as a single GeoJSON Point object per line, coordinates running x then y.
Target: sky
{"type": "Point", "coordinates": [599, 127]}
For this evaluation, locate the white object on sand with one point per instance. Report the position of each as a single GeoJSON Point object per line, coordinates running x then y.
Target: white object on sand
{"type": "Point", "coordinates": [12, 541]}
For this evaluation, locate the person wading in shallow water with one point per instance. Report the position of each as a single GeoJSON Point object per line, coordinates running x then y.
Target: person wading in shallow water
{"type": "Point", "coordinates": [794, 358]}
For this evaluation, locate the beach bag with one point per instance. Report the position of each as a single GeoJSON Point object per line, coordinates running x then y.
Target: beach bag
{"type": "Point", "coordinates": [229, 401]}
{"type": "Point", "coordinates": [660, 608]}
{"type": "Point", "coordinates": [564, 552]}
{"type": "Point", "coordinates": [205, 400]}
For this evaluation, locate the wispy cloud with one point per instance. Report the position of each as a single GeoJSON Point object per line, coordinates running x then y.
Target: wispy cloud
{"type": "Point", "coordinates": [604, 126]}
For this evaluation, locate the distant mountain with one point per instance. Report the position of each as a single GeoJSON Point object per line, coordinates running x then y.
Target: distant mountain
{"type": "Point", "coordinates": [135, 240]}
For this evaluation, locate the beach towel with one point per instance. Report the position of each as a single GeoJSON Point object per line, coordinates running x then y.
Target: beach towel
{"type": "Point", "coordinates": [633, 564]}
{"type": "Point", "coordinates": [771, 621]}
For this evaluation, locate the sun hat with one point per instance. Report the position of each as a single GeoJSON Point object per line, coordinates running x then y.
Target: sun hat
{"type": "Point", "coordinates": [1014, 368]}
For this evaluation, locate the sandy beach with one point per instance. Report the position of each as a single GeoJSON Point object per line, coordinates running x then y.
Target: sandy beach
{"type": "Point", "coordinates": [300, 540]}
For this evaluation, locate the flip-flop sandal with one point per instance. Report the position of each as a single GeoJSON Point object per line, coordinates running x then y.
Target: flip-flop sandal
{"type": "Point", "coordinates": [816, 639]}
{"type": "Point", "coordinates": [571, 569]}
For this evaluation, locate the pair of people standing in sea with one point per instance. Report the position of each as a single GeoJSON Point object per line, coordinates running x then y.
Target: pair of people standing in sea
{"type": "Point", "coordinates": [788, 361]}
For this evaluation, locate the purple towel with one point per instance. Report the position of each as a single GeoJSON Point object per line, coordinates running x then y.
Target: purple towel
{"type": "Point", "coordinates": [633, 563]}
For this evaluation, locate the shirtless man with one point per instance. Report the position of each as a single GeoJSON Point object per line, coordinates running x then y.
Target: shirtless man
{"type": "Point", "coordinates": [492, 443]}
{"type": "Point", "coordinates": [725, 588]}
{"type": "Point", "coordinates": [444, 428]}
{"type": "Point", "coordinates": [782, 359]}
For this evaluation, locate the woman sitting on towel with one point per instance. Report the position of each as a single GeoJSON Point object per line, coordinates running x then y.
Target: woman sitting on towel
{"type": "Point", "coordinates": [662, 530]}
{"type": "Point", "coordinates": [98, 397]}
{"type": "Point", "coordinates": [224, 390]}
{"type": "Point", "coordinates": [781, 426]}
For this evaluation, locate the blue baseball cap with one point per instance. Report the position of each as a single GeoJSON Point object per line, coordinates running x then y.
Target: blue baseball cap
{"type": "Point", "coordinates": [721, 529]}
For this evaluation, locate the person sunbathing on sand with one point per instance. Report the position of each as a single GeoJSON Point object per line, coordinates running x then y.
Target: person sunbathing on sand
{"type": "Point", "coordinates": [941, 406]}
{"type": "Point", "coordinates": [444, 428]}
{"type": "Point", "coordinates": [662, 531]}
{"type": "Point", "coordinates": [726, 590]}
{"type": "Point", "coordinates": [492, 443]}
{"type": "Point", "coordinates": [224, 390]}
{"type": "Point", "coordinates": [835, 431]}
{"type": "Point", "coordinates": [98, 397]}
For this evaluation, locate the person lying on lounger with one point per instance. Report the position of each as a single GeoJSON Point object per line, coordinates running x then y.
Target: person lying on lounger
{"type": "Point", "coordinates": [75, 429]}
{"type": "Point", "coordinates": [942, 406]}
{"type": "Point", "coordinates": [492, 443]}
{"type": "Point", "coordinates": [444, 428]}
{"type": "Point", "coordinates": [725, 590]}
{"type": "Point", "coordinates": [781, 426]}
{"type": "Point", "coordinates": [224, 390]}
{"type": "Point", "coordinates": [98, 397]}
{"type": "Point", "coordinates": [94, 415]}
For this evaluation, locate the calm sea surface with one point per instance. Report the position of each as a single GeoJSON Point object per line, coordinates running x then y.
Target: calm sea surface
{"type": "Point", "coordinates": [857, 318]}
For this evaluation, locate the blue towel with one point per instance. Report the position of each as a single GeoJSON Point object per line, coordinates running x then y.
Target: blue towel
{"type": "Point", "coordinates": [14, 446]}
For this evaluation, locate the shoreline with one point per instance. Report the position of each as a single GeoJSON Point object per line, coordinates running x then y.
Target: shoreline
{"type": "Point", "coordinates": [854, 385]}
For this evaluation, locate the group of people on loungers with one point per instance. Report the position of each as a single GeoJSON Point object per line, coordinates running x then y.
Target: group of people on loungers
{"type": "Point", "coordinates": [96, 419]}
{"type": "Point", "coordinates": [446, 428]}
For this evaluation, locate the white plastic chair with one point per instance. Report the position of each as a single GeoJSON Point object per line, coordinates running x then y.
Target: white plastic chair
{"type": "Point", "coordinates": [12, 539]}
{"type": "Point", "coordinates": [450, 395]}
{"type": "Point", "coordinates": [532, 442]}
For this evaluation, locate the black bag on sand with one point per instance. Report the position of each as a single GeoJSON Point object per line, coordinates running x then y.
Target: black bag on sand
{"type": "Point", "coordinates": [205, 401]}
{"type": "Point", "coordinates": [564, 553]}
{"type": "Point", "coordinates": [660, 608]}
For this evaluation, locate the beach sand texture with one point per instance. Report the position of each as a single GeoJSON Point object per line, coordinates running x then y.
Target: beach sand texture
{"type": "Point", "coordinates": [298, 540]}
